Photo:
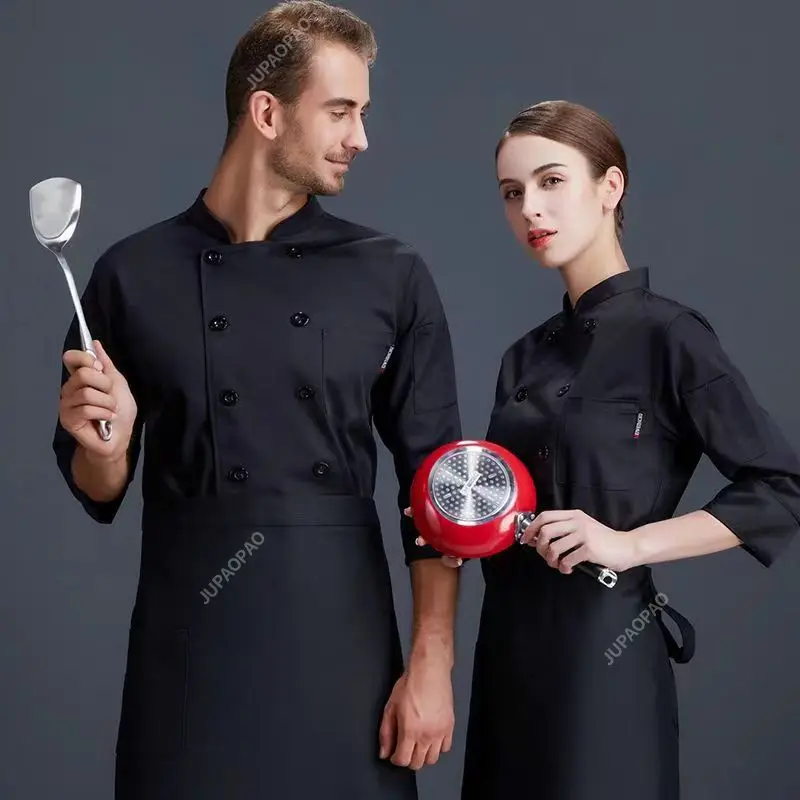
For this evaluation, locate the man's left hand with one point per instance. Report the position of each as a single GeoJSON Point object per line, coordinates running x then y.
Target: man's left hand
{"type": "Point", "coordinates": [418, 720]}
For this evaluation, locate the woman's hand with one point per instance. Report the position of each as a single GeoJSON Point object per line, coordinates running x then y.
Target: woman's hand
{"type": "Point", "coordinates": [554, 533]}
{"type": "Point", "coordinates": [448, 561]}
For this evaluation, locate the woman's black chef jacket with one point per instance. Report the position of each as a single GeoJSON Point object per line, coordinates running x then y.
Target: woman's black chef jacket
{"type": "Point", "coordinates": [610, 404]}
{"type": "Point", "coordinates": [263, 642]}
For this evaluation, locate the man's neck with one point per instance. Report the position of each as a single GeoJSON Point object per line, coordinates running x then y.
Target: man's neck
{"type": "Point", "coordinates": [249, 199]}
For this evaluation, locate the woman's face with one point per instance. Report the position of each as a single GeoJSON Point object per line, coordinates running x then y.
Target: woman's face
{"type": "Point", "coordinates": [555, 207]}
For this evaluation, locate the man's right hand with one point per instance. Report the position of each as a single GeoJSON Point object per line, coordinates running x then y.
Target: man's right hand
{"type": "Point", "coordinates": [96, 390]}
{"type": "Point", "coordinates": [448, 561]}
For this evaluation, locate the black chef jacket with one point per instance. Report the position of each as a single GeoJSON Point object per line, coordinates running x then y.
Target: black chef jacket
{"type": "Point", "coordinates": [610, 404]}
{"type": "Point", "coordinates": [259, 368]}
{"type": "Point", "coordinates": [621, 396]}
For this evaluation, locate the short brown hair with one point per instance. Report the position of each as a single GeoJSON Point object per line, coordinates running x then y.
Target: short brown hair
{"type": "Point", "coordinates": [275, 53]}
{"type": "Point", "coordinates": [579, 127]}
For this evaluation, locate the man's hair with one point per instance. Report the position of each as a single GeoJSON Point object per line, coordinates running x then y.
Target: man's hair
{"type": "Point", "coordinates": [275, 54]}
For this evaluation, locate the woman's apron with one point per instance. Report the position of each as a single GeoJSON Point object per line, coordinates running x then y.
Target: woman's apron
{"type": "Point", "coordinates": [573, 691]}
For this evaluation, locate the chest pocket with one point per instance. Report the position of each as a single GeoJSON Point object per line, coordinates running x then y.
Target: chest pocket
{"type": "Point", "coordinates": [354, 357]}
{"type": "Point", "coordinates": [603, 444]}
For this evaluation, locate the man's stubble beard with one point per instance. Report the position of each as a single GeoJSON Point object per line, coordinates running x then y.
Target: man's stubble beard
{"type": "Point", "coordinates": [294, 166]}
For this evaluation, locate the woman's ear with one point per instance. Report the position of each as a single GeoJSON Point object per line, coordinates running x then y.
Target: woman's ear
{"type": "Point", "coordinates": [612, 188]}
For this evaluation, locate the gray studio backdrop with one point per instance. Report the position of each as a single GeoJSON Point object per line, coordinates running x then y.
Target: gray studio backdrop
{"type": "Point", "coordinates": [128, 99]}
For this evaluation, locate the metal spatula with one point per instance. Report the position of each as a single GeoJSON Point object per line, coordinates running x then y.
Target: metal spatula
{"type": "Point", "coordinates": [55, 207]}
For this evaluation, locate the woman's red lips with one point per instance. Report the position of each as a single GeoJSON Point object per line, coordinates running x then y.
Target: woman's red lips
{"type": "Point", "coordinates": [540, 237]}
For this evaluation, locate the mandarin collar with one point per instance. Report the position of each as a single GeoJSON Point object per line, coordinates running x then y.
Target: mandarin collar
{"type": "Point", "coordinates": [638, 278]}
{"type": "Point", "coordinates": [201, 217]}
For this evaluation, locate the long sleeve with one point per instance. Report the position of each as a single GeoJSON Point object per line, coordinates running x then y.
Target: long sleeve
{"type": "Point", "coordinates": [761, 504]}
{"type": "Point", "coordinates": [415, 404]}
{"type": "Point", "coordinates": [99, 308]}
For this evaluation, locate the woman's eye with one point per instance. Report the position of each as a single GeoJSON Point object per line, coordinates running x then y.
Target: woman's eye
{"type": "Point", "coordinates": [511, 194]}
{"type": "Point", "coordinates": [552, 180]}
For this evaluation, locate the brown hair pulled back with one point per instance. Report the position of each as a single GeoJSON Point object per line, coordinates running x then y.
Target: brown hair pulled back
{"type": "Point", "coordinates": [579, 127]}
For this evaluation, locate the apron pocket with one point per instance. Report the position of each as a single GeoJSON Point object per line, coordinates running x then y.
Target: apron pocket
{"type": "Point", "coordinates": [154, 693]}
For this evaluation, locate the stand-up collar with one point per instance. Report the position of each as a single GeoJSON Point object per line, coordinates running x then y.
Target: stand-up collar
{"type": "Point", "coordinates": [609, 287]}
{"type": "Point", "coordinates": [200, 216]}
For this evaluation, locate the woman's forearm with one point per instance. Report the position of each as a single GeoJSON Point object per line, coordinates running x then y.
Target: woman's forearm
{"type": "Point", "coordinates": [697, 533]}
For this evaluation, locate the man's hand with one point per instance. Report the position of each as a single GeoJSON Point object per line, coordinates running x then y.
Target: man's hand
{"type": "Point", "coordinates": [448, 561]}
{"type": "Point", "coordinates": [418, 720]}
{"type": "Point", "coordinates": [96, 390]}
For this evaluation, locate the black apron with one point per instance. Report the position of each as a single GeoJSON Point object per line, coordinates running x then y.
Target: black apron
{"type": "Point", "coordinates": [573, 693]}
{"type": "Point", "coordinates": [263, 648]}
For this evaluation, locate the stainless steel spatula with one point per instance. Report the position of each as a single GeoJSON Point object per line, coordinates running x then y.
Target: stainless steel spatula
{"type": "Point", "coordinates": [55, 208]}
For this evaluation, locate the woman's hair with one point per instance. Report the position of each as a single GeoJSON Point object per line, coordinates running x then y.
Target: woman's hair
{"type": "Point", "coordinates": [579, 127]}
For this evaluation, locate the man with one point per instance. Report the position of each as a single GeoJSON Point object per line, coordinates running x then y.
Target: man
{"type": "Point", "coordinates": [254, 338]}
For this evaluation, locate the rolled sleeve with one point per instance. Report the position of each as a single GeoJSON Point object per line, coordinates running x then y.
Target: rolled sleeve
{"type": "Point", "coordinates": [97, 304]}
{"type": "Point", "coordinates": [415, 403]}
{"type": "Point", "coordinates": [761, 504]}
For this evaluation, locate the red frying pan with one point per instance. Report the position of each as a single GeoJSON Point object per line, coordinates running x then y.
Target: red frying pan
{"type": "Point", "coordinates": [473, 499]}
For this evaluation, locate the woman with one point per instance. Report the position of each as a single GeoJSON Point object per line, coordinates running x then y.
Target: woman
{"type": "Point", "coordinates": [610, 404]}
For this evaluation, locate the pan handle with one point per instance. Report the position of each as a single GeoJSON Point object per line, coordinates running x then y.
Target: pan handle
{"type": "Point", "coordinates": [603, 575]}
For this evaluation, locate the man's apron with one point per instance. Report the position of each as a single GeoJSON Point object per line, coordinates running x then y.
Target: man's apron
{"type": "Point", "coordinates": [263, 648]}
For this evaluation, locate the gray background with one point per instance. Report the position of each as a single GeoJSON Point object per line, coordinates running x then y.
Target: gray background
{"type": "Point", "coordinates": [128, 99]}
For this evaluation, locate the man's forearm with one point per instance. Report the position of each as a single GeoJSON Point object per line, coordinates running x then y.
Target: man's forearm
{"type": "Point", "coordinates": [434, 588]}
{"type": "Point", "coordinates": [100, 477]}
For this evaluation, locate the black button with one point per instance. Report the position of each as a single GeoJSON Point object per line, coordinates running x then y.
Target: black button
{"type": "Point", "coordinates": [551, 337]}
{"type": "Point", "coordinates": [563, 390]}
{"type": "Point", "coordinates": [238, 474]}
{"type": "Point", "coordinates": [305, 392]}
{"type": "Point", "coordinates": [543, 452]}
{"type": "Point", "coordinates": [299, 320]}
{"type": "Point", "coordinates": [522, 394]}
{"type": "Point", "coordinates": [228, 397]}
{"type": "Point", "coordinates": [294, 252]}
{"type": "Point", "coordinates": [589, 325]}
{"type": "Point", "coordinates": [213, 257]}
{"type": "Point", "coordinates": [219, 323]}
{"type": "Point", "coordinates": [321, 468]}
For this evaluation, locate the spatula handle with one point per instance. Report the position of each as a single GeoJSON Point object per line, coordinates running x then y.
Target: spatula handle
{"type": "Point", "coordinates": [104, 426]}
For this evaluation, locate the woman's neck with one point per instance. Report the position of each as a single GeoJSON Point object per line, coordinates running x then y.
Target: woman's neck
{"type": "Point", "coordinates": [602, 259]}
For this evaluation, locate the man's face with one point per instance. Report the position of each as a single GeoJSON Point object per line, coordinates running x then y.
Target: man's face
{"type": "Point", "coordinates": [325, 129]}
